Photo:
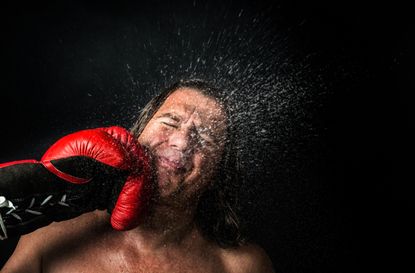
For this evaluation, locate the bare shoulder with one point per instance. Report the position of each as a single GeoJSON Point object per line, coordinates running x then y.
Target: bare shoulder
{"type": "Point", "coordinates": [32, 247]}
{"type": "Point", "coordinates": [61, 233]}
{"type": "Point", "coordinates": [246, 259]}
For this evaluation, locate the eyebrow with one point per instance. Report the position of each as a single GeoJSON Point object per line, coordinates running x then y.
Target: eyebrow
{"type": "Point", "coordinates": [173, 116]}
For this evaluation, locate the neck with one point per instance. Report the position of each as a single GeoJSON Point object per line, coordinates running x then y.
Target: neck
{"type": "Point", "coordinates": [165, 226]}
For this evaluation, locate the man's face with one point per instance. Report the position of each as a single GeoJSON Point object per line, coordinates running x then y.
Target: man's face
{"type": "Point", "coordinates": [186, 139]}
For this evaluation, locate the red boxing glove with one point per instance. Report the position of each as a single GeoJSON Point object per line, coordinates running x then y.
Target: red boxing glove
{"type": "Point", "coordinates": [116, 147]}
{"type": "Point", "coordinates": [106, 168]}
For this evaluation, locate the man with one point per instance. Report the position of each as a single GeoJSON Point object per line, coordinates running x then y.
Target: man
{"type": "Point", "coordinates": [190, 225]}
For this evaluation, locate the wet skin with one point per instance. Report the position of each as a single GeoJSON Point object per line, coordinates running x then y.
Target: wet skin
{"type": "Point", "coordinates": [186, 140]}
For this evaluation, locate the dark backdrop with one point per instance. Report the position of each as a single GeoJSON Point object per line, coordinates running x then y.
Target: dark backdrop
{"type": "Point", "coordinates": [339, 198]}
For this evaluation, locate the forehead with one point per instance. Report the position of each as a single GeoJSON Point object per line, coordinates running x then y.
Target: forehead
{"type": "Point", "coordinates": [191, 102]}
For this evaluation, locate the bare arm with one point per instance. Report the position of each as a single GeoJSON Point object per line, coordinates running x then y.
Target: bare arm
{"type": "Point", "coordinates": [37, 250]}
{"type": "Point", "coordinates": [26, 257]}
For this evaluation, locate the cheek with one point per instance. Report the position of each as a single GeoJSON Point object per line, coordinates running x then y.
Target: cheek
{"type": "Point", "coordinates": [205, 165]}
{"type": "Point", "coordinates": [152, 135]}
{"type": "Point", "coordinates": [200, 175]}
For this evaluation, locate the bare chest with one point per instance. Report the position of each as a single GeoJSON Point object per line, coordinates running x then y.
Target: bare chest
{"type": "Point", "coordinates": [121, 260]}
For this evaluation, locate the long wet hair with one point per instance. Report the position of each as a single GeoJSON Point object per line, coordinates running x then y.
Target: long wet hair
{"type": "Point", "coordinates": [217, 210]}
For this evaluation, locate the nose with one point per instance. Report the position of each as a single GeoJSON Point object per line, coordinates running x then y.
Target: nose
{"type": "Point", "coordinates": [183, 139]}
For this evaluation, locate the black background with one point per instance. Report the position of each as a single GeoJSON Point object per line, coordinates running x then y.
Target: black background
{"type": "Point", "coordinates": [343, 207]}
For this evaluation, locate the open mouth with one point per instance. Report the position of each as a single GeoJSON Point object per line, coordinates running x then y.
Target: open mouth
{"type": "Point", "coordinates": [172, 164]}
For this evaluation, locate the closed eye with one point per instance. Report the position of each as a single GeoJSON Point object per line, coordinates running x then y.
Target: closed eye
{"type": "Point", "coordinates": [206, 136]}
{"type": "Point", "coordinates": [208, 142]}
{"type": "Point", "coordinates": [169, 124]}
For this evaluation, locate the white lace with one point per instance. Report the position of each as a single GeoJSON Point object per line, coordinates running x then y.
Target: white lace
{"type": "Point", "coordinates": [4, 203]}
